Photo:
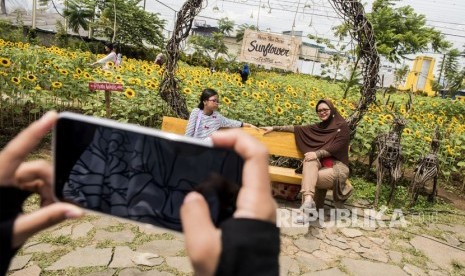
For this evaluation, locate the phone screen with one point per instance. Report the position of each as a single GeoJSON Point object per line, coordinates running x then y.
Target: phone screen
{"type": "Point", "coordinates": [133, 173]}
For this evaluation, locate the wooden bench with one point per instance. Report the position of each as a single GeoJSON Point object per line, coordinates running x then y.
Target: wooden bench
{"type": "Point", "coordinates": [278, 143]}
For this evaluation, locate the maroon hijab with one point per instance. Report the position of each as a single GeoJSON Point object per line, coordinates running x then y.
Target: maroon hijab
{"type": "Point", "coordinates": [332, 135]}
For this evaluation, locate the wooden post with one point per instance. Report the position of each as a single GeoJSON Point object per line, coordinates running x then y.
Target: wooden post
{"type": "Point", "coordinates": [107, 87]}
{"type": "Point", "coordinates": [107, 103]}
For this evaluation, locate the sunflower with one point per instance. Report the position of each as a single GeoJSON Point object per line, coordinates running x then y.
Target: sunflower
{"type": "Point", "coordinates": [108, 74]}
{"type": "Point", "coordinates": [31, 78]}
{"type": "Point", "coordinates": [78, 71]}
{"type": "Point", "coordinates": [37, 88]}
{"type": "Point", "coordinates": [87, 75]}
{"type": "Point", "coordinates": [57, 84]}
{"type": "Point", "coordinates": [219, 83]}
{"type": "Point", "coordinates": [268, 110]}
{"type": "Point", "coordinates": [245, 93]}
{"type": "Point", "coordinates": [256, 96]}
{"type": "Point", "coordinates": [197, 82]}
{"type": "Point", "coordinates": [187, 91]}
{"type": "Point", "coordinates": [226, 100]}
{"type": "Point", "coordinates": [118, 78]}
{"type": "Point", "coordinates": [76, 76]}
{"type": "Point", "coordinates": [427, 139]}
{"type": "Point", "coordinates": [153, 85]}
{"type": "Point", "coordinates": [5, 62]}
{"type": "Point", "coordinates": [294, 94]}
{"type": "Point", "coordinates": [298, 118]}
{"type": "Point", "coordinates": [47, 62]}
{"type": "Point", "coordinates": [312, 103]}
{"type": "Point", "coordinates": [407, 131]}
{"type": "Point", "coordinates": [440, 120]}
{"type": "Point", "coordinates": [15, 80]}
{"type": "Point", "coordinates": [388, 117]}
{"type": "Point", "coordinates": [147, 83]}
{"type": "Point", "coordinates": [288, 105]}
{"type": "Point", "coordinates": [129, 93]}
{"type": "Point", "coordinates": [110, 64]}
{"type": "Point", "coordinates": [64, 72]}
{"type": "Point", "coordinates": [279, 110]}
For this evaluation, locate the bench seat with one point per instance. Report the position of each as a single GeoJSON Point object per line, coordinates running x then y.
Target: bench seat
{"type": "Point", "coordinates": [285, 175]}
{"type": "Point", "coordinates": [277, 143]}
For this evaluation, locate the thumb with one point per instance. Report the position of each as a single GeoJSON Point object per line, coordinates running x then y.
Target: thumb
{"type": "Point", "coordinates": [202, 238]}
{"type": "Point", "coordinates": [27, 225]}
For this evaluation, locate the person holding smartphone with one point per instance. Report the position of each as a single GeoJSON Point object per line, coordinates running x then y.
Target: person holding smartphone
{"type": "Point", "coordinates": [326, 163]}
{"type": "Point", "coordinates": [205, 119]}
{"type": "Point", "coordinates": [247, 244]}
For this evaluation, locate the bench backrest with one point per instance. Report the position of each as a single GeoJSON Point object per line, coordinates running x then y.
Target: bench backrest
{"type": "Point", "coordinates": [278, 143]}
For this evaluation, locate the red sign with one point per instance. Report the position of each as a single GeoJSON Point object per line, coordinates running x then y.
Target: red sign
{"type": "Point", "coordinates": [105, 86]}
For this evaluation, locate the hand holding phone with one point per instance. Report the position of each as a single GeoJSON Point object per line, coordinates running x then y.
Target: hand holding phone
{"type": "Point", "coordinates": [135, 172]}
{"type": "Point", "coordinates": [254, 203]}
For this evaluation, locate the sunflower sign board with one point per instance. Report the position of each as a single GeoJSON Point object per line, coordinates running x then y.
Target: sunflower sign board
{"type": "Point", "coordinates": [270, 50]}
{"type": "Point", "coordinates": [107, 87]}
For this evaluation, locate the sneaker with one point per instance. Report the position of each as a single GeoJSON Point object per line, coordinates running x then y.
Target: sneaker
{"type": "Point", "coordinates": [308, 207]}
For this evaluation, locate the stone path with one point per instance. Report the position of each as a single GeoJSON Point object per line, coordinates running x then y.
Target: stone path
{"type": "Point", "coordinates": [337, 244]}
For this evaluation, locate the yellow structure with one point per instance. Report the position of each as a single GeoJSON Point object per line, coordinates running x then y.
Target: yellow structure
{"type": "Point", "coordinates": [420, 78]}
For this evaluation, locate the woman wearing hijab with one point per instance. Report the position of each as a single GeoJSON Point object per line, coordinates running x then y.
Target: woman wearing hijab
{"type": "Point", "coordinates": [205, 119]}
{"type": "Point", "coordinates": [326, 163]}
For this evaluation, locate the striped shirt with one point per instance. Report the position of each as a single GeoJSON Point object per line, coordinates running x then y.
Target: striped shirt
{"type": "Point", "coordinates": [208, 123]}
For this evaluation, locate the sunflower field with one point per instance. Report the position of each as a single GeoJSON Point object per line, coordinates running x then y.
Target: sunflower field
{"type": "Point", "coordinates": [35, 79]}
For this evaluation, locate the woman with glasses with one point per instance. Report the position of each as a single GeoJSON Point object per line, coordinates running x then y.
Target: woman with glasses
{"type": "Point", "coordinates": [205, 119]}
{"type": "Point", "coordinates": [326, 149]}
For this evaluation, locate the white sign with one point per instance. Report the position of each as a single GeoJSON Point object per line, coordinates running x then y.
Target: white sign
{"type": "Point", "coordinates": [270, 50]}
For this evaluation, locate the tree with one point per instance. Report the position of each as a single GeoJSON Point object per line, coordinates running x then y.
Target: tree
{"type": "Point", "coordinates": [400, 74]}
{"type": "Point", "coordinates": [134, 26]}
{"type": "Point", "coordinates": [79, 16]}
{"type": "Point", "coordinates": [450, 68]}
{"type": "Point", "coordinates": [211, 47]}
{"type": "Point", "coordinates": [3, 6]}
{"type": "Point", "coordinates": [241, 30]}
{"type": "Point", "coordinates": [400, 31]}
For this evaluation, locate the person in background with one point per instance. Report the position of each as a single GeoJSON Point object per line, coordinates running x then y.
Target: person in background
{"type": "Point", "coordinates": [205, 119]}
{"type": "Point", "coordinates": [246, 244]}
{"type": "Point", "coordinates": [326, 163]}
{"type": "Point", "coordinates": [245, 72]}
{"type": "Point", "coordinates": [111, 56]}
{"type": "Point", "coordinates": [160, 59]}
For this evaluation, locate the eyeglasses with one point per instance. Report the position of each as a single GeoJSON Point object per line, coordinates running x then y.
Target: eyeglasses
{"type": "Point", "coordinates": [323, 110]}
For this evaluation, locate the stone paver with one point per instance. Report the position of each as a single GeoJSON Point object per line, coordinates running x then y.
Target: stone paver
{"type": "Point", "coordinates": [165, 248]}
{"type": "Point", "coordinates": [307, 245]}
{"type": "Point", "coordinates": [124, 236]}
{"type": "Point", "coordinates": [19, 262]}
{"type": "Point", "coordinates": [367, 268]}
{"type": "Point", "coordinates": [323, 249]}
{"type": "Point", "coordinates": [439, 253]}
{"type": "Point", "coordinates": [328, 272]}
{"type": "Point", "coordinates": [182, 264]}
{"type": "Point", "coordinates": [288, 265]}
{"type": "Point", "coordinates": [81, 230]}
{"type": "Point", "coordinates": [41, 247]}
{"type": "Point", "coordinates": [83, 257]}
{"type": "Point", "coordinates": [123, 256]}
{"type": "Point", "coordinates": [33, 270]}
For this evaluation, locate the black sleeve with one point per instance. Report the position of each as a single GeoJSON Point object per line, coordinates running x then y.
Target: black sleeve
{"type": "Point", "coordinates": [249, 247]}
{"type": "Point", "coordinates": [11, 202]}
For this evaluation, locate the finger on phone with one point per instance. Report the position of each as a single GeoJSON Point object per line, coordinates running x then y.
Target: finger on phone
{"type": "Point", "coordinates": [27, 225]}
{"type": "Point", "coordinates": [202, 238]}
{"type": "Point", "coordinates": [254, 200]}
{"type": "Point", "coordinates": [18, 148]}
{"type": "Point", "coordinates": [254, 153]}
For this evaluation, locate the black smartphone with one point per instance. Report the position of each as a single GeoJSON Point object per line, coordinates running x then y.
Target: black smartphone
{"type": "Point", "coordinates": [140, 173]}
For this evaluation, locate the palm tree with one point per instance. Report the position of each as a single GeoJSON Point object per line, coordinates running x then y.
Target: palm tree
{"type": "Point", "coordinates": [241, 30]}
{"type": "Point", "coordinates": [78, 17]}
